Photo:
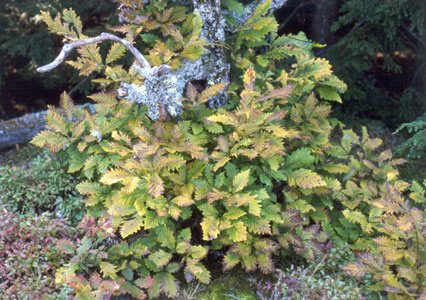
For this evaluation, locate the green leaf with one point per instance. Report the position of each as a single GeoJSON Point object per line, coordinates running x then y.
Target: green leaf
{"type": "Point", "coordinates": [71, 17]}
{"type": "Point", "coordinates": [115, 52]}
{"type": "Point", "coordinates": [164, 283]}
{"type": "Point", "coordinates": [197, 23]}
{"type": "Point", "coordinates": [230, 261]}
{"type": "Point", "coordinates": [234, 5]}
{"type": "Point", "coordinates": [357, 217]}
{"type": "Point", "coordinates": [173, 267]}
{"type": "Point", "coordinates": [329, 93]}
{"type": "Point", "coordinates": [160, 258]}
{"type": "Point", "coordinates": [234, 213]}
{"type": "Point", "coordinates": [66, 246]}
{"type": "Point", "coordinates": [260, 11]}
{"type": "Point", "coordinates": [300, 158]}
{"type": "Point", "coordinates": [108, 269]}
{"type": "Point", "coordinates": [198, 252]}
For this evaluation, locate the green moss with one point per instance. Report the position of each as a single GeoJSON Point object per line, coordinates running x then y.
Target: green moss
{"type": "Point", "coordinates": [234, 284]}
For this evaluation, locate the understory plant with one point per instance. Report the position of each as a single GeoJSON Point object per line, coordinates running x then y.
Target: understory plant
{"type": "Point", "coordinates": [40, 185]}
{"type": "Point", "coordinates": [29, 258]}
{"type": "Point", "coordinates": [398, 260]}
{"type": "Point", "coordinates": [319, 279]}
{"type": "Point", "coordinates": [170, 181]}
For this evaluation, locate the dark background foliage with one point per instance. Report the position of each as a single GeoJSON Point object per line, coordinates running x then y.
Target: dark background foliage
{"type": "Point", "coordinates": [377, 47]}
{"type": "Point", "coordinates": [25, 44]}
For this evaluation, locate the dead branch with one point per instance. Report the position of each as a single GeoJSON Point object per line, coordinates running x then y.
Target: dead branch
{"type": "Point", "coordinates": [67, 48]}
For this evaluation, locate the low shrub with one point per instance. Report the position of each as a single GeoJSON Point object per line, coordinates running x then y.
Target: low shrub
{"type": "Point", "coordinates": [257, 178]}
{"type": "Point", "coordinates": [398, 259]}
{"type": "Point", "coordinates": [322, 279]}
{"type": "Point", "coordinates": [40, 185]}
{"type": "Point", "coordinates": [29, 257]}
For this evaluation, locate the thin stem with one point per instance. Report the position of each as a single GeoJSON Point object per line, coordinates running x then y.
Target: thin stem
{"type": "Point", "coordinates": [67, 48]}
{"type": "Point", "coordinates": [324, 50]}
{"type": "Point", "coordinates": [75, 88]}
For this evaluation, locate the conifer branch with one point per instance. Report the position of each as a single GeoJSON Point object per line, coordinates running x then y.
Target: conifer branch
{"type": "Point", "coordinates": [67, 48]}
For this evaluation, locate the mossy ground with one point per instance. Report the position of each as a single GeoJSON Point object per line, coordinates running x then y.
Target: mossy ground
{"type": "Point", "coordinates": [19, 155]}
{"type": "Point", "coordinates": [234, 284]}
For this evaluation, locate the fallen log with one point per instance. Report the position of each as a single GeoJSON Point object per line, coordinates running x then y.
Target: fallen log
{"type": "Point", "coordinates": [23, 129]}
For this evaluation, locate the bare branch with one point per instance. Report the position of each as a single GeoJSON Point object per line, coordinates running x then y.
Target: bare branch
{"type": "Point", "coordinates": [67, 48]}
{"type": "Point", "coordinates": [415, 36]}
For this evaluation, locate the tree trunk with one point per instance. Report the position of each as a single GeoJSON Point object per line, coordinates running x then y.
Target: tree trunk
{"type": "Point", "coordinates": [323, 17]}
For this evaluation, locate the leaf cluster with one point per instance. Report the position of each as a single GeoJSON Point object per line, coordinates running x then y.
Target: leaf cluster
{"type": "Point", "coordinates": [259, 177]}
{"type": "Point", "coordinates": [397, 260]}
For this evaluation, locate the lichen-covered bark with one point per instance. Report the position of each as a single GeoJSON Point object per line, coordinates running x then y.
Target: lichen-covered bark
{"type": "Point", "coordinates": [251, 7]}
{"type": "Point", "coordinates": [165, 91]}
{"type": "Point", "coordinates": [215, 67]}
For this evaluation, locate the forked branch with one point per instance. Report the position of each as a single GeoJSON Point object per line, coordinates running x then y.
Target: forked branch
{"type": "Point", "coordinates": [67, 48]}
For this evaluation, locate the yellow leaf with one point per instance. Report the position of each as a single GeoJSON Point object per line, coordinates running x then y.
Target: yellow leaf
{"type": "Point", "coordinates": [108, 269]}
{"type": "Point", "coordinates": [130, 184]}
{"type": "Point", "coordinates": [183, 200]}
{"type": "Point", "coordinates": [67, 105]}
{"type": "Point", "coordinates": [211, 92]}
{"type": "Point", "coordinates": [307, 179]}
{"type": "Point", "coordinates": [282, 93]}
{"type": "Point", "coordinates": [336, 168]}
{"type": "Point", "coordinates": [254, 207]}
{"type": "Point", "coordinates": [216, 195]}
{"type": "Point", "coordinates": [238, 232]}
{"type": "Point", "coordinates": [249, 78]}
{"type": "Point", "coordinates": [240, 181]}
{"type": "Point", "coordinates": [234, 213]}
{"type": "Point", "coordinates": [155, 185]}
{"type": "Point", "coordinates": [210, 227]}
{"type": "Point", "coordinates": [115, 52]}
{"type": "Point", "coordinates": [113, 176]}
{"type": "Point", "coordinates": [129, 227]}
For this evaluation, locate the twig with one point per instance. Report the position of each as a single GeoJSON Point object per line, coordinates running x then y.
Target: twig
{"type": "Point", "coordinates": [67, 48]}
{"type": "Point", "coordinates": [72, 91]}
{"type": "Point", "coordinates": [277, 284]}
{"type": "Point", "coordinates": [317, 267]}
{"type": "Point", "coordinates": [342, 39]}
{"type": "Point", "coordinates": [193, 292]}
{"type": "Point", "coordinates": [232, 296]}
{"type": "Point", "coordinates": [415, 36]}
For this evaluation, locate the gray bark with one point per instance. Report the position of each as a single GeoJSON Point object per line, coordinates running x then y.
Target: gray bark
{"type": "Point", "coordinates": [323, 17]}
{"type": "Point", "coordinates": [23, 129]}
